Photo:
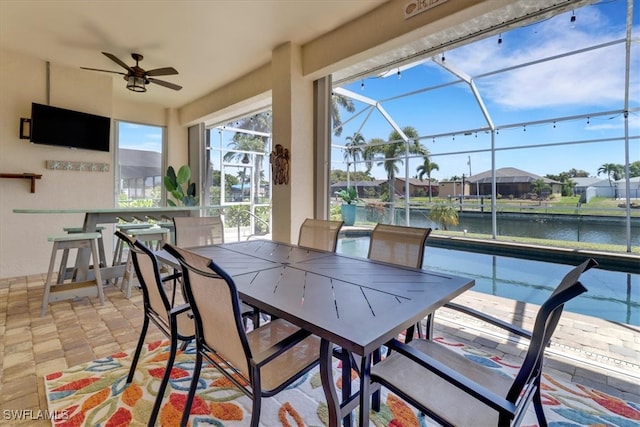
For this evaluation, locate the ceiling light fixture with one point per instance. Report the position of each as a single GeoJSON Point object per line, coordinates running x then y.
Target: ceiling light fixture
{"type": "Point", "coordinates": [136, 84]}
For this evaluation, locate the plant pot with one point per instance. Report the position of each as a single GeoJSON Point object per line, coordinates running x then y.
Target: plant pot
{"type": "Point", "coordinates": [348, 214]}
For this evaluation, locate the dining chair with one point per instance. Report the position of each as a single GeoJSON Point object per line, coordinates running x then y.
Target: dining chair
{"type": "Point", "coordinates": [455, 391]}
{"type": "Point", "coordinates": [175, 322]}
{"type": "Point", "coordinates": [319, 234]}
{"type": "Point", "coordinates": [260, 363]}
{"type": "Point", "coordinates": [399, 245]}
{"type": "Point", "coordinates": [192, 231]}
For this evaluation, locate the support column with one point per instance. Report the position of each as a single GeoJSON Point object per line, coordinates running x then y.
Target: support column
{"type": "Point", "coordinates": [292, 107]}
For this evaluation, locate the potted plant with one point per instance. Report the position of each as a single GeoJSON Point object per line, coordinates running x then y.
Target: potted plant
{"type": "Point", "coordinates": [174, 185]}
{"type": "Point", "coordinates": [348, 209]}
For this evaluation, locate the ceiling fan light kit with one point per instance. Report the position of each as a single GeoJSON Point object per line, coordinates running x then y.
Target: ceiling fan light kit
{"type": "Point", "coordinates": [136, 77]}
{"type": "Point", "coordinates": [136, 84]}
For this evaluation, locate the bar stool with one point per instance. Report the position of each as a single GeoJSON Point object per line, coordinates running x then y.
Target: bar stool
{"type": "Point", "coordinates": [62, 291]}
{"type": "Point", "coordinates": [99, 229]}
{"type": "Point", "coordinates": [118, 252]}
{"type": "Point", "coordinates": [153, 238]}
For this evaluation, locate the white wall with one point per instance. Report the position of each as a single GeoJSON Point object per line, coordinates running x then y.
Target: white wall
{"type": "Point", "coordinates": [24, 248]}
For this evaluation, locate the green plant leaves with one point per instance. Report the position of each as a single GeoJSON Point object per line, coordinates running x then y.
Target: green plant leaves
{"type": "Point", "coordinates": [174, 185]}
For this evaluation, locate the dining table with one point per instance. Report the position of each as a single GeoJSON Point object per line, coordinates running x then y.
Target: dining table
{"type": "Point", "coordinates": [93, 217]}
{"type": "Point", "coordinates": [353, 304]}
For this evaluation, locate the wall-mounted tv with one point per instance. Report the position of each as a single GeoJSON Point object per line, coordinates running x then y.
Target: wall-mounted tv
{"type": "Point", "coordinates": [68, 128]}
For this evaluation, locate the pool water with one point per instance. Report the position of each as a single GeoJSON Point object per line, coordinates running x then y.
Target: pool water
{"type": "Point", "coordinates": [611, 295]}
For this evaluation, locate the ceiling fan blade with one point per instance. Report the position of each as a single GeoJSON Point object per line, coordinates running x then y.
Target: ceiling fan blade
{"type": "Point", "coordinates": [118, 61]}
{"type": "Point", "coordinates": [165, 84]}
{"type": "Point", "coordinates": [104, 71]}
{"type": "Point", "coordinates": [166, 71]}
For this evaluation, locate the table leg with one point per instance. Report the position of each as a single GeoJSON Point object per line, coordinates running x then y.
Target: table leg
{"type": "Point", "coordinates": [83, 256]}
{"type": "Point", "coordinates": [326, 375]}
{"type": "Point", "coordinates": [375, 398]}
{"type": "Point", "coordinates": [365, 387]}
{"type": "Point", "coordinates": [345, 358]}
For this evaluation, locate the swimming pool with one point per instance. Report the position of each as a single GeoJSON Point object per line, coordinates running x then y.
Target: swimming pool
{"type": "Point", "coordinates": [611, 295]}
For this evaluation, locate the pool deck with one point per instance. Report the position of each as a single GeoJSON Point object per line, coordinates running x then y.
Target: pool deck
{"type": "Point", "coordinates": [598, 353]}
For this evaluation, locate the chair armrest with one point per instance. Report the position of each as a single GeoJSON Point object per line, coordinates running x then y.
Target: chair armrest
{"type": "Point", "coordinates": [175, 311]}
{"type": "Point", "coordinates": [489, 319]}
{"type": "Point", "coordinates": [472, 388]}
{"type": "Point", "coordinates": [172, 276]}
{"type": "Point", "coordinates": [280, 347]}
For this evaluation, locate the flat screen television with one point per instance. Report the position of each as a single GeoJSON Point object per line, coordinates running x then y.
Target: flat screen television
{"type": "Point", "coordinates": [68, 128]}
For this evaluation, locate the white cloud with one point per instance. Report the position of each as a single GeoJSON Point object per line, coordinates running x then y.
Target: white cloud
{"type": "Point", "coordinates": [590, 78]}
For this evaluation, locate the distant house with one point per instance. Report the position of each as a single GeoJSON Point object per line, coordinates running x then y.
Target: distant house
{"type": "Point", "coordinates": [582, 183]}
{"type": "Point", "coordinates": [455, 188]}
{"type": "Point", "coordinates": [417, 188]}
{"type": "Point", "coordinates": [510, 182]}
{"type": "Point", "coordinates": [140, 171]}
{"type": "Point", "coordinates": [590, 187]}
{"type": "Point", "coordinates": [634, 187]}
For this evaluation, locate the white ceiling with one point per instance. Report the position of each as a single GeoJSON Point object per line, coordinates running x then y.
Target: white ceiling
{"type": "Point", "coordinates": [209, 42]}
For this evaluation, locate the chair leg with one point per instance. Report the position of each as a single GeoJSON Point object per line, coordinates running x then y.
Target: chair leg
{"type": "Point", "coordinates": [537, 404]}
{"type": "Point", "coordinates": [429, 329]}
{"type": "Point", "coordinates": [255, 409]}
{"type": "Point", "coordinates": [165, 380]}
{"type": "Point", "coordinates": [192, 390]}
{"type": "Point", "coordinates": [134, 363]}
{"type": "Point", "coordinates": [409, 333]}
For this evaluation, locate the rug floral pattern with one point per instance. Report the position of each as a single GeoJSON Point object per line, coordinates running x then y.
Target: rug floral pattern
{"type": "Point", "coordinates": [96, 394]}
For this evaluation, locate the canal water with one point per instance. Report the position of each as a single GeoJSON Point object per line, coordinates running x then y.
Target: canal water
{"type": "Point", "coordinates": [609, 230]}
{"type": "Point", "coordinates": [611, 295]}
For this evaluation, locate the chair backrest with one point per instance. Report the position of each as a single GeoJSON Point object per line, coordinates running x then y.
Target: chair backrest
{"type": "Point", "coordinates": [213, 298]}
{"type": "Point", "coordinates": [192, 231]}
{"type": "Point", "coordinates": [544, 326]}
{"type": "Point", "coordinates": [398, 244]}
{"type": "Point", "coordinates": [319, 234]}
{"type": "Point", "coordinates": [148, 272]}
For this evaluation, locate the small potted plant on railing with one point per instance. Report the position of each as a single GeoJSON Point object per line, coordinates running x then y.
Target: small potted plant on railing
{"type": "Point", "coordinates": [349, 198]}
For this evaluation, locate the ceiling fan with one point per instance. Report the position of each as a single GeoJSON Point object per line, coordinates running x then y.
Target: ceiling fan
{"type": "Point", "coordinates": [137, 78]}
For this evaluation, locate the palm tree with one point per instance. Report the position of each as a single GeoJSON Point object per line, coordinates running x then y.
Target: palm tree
{"type": "Point", "coordinates": [339, 101]}
{"type": "Point", "coordinates": [612, 170]}
{"type": "Point", "coordinates": [354, 149]}
{"type": "Point", "coordinates": [539, 186]}
{"type": "Point", "coordinates": [389, 155]}
{"type": "Point", "coordinates": [444, 214]}
{"type": "Point", "coordinates": [247, 142]}
{"type": "Point", "coordinates": [425, 169]}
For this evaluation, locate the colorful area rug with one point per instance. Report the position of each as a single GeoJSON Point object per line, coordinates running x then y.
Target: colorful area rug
{"type": "Point", "coordinates": [96, 394]}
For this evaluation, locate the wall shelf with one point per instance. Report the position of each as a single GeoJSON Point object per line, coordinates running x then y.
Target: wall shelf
{"type": "Point", "coordinates": [31, 176]}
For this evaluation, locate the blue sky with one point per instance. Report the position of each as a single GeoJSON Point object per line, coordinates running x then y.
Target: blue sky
{"type": "Point", "coordinates": [140, 137]}
{"type": "Point", "coordinates": [583, 84]}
